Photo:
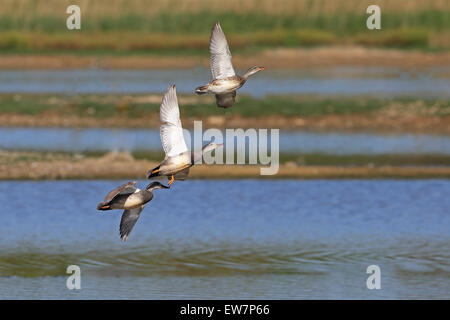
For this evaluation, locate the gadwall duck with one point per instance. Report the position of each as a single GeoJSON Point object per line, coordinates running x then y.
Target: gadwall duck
{"type": "Point", "coordinates": [178, 158]}
{"type": "Point", "coordinates": [225, 81]}
{"type": "Point", "coordinates": [133, 200]}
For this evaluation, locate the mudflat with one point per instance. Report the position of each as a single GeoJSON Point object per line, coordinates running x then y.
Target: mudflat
{"type": "Point", "coordinates": [280, 58]}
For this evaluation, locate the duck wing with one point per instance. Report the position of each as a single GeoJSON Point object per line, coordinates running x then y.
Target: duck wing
{"type": "Point", "coordinates": [129, 218]}
{"type": "Point", "coordinates": [226, 100]}
{"type": "Point", "coordinates": [171, 131]}
{"type": "Point", "coordinates": [182, 175]}
{"type": "Point", "coordinates": [126, 188]}
{"type": "Point", "coordinates": [220, 55]}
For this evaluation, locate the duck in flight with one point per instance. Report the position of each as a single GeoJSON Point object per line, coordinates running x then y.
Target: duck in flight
{"type": "Point", "coordinates": [178, 159]}
{"type": "Point", "coordinates": [225, 81]}
{"type": "Point", "coordinates": [132, 200]}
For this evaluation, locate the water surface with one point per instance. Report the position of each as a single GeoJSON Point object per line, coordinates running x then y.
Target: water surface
{"type": "Point", "coordinates": [332, 81]}
{"type": "Point", "coordinates": [70, 139]}
{"type": "Point", "coordinates": [217, 239]}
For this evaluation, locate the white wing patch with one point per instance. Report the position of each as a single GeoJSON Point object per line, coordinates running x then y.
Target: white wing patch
{"type": "Point", "coordinates": [172, 140]}
{"type": "Point", "coordinates": [171, 131]}
{"type": "Point", "coordinates": [220, 59]}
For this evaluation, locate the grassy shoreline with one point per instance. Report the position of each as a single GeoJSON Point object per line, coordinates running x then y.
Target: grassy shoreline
{"type": "Point", "coordinates": [37, 26]}
{"type": "Point", "coordinates": [121, 42]}
{"type": "Point", "coordinates": [10, 157]}
{"type": "Point", "coordinates": [295, 112]}
{"type": "Point", "coordinates": [273, 58]}
{"type": "Point", "coordinates": [16, 165]}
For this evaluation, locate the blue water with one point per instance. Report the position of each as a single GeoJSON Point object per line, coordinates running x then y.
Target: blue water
{"type": "Point", "coordinates": [216, 239]}
{"type": "Point", "coordinates": [332, 81]}
{"type": "Point", "coordinates": [69, 139]}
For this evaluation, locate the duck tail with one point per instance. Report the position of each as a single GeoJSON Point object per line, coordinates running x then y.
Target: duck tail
{"type": "Point", "coordinates": [153, 173]}
{"type": "Point", "coordinates": [103, 206]}
{"type": "Point", "coordinates": [201, 90]}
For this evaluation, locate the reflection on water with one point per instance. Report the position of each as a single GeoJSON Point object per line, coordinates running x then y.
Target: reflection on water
{"type": "Point", "coordinates": [69, 139]}
{"type": "Point", "coordinates": [335, 81]}
{"type": "Point", "coordinates": [217, 239]}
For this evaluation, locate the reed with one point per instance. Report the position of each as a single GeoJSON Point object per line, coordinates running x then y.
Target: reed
{"type": "Point", "coordinates": [114, 8]}
{"type": "Point", "coordinates": [173, 25]}
{"type": "Point", "coordinates": [12, 157]}
{"type": "Point", "coordinates": [104, 106]}
{"type": "Point", "coordinates": [233, 22]}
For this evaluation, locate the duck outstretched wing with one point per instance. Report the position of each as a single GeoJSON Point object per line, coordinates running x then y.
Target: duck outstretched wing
{"type": "Point", "coordinates": [182, 175]}
{"type": "Point", "coordinates": [129, 218]}
{"type": "Point", "coordinates": [126, 188]}
{"type": "Point", "coordinates": [220, 55]}
{"type": "Point", "coordinates": [226, 100]}
{"type": "Point", "coordinates": [171, 131]}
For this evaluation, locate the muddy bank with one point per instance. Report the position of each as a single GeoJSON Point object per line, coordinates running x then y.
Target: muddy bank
{"type": "Point", "coordinates": [348, 123]}
{"type": "Point", "coordinates": [281, 58]}
{"type": "Point", "coordinates": [23, 165]}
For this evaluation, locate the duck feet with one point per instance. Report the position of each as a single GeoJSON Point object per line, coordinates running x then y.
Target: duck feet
{"type": "Point", "coordinates": [171, 180]}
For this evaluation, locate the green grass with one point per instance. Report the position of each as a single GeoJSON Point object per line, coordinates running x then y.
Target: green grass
{"type": "Point", "coordinates": [308, 159]}
{"type": "Point", "coordinates": [189, 32]}
{"type": "Point", "coordinates": [188, 44]}
{"type": "Point", "coordinates": [297, 106]}
{"type": "Point", "coordinates": [99, 106]}
{"type": "Point", "coordinates": [322, 159]}
{"type": "Point", "coordinates": [233, 22]}
{"type": "Point", "coordinates": [24, 104]}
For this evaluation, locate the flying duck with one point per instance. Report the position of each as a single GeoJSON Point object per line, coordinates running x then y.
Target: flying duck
{"type": "Point", "coordinates": [178, 158]}
{"type": "Point", "coordinates": [225, 81]}
{"type": "Point", "coordinates": [133, 200]}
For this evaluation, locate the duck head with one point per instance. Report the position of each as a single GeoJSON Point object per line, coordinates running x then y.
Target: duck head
{"type": "Point", "coordinates": [251, 71]}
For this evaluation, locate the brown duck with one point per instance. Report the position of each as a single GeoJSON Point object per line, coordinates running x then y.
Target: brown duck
{"type": "Point", "coordinates": [225, 81]}
{"type": "Point", "coordinates": [178, 158]}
